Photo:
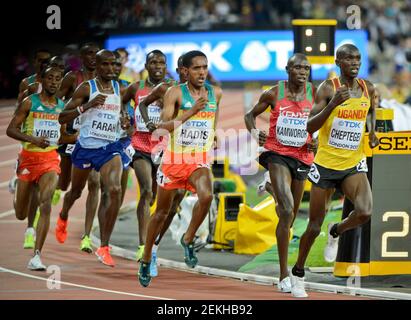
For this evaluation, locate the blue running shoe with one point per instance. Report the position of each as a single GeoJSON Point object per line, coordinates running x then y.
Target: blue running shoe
{"type": "Point", "coordinates": [153, 265]}
{"type": "Point", "coordinates": [144, 274]}
{"type": "Point", "coordinates": [189, 256]}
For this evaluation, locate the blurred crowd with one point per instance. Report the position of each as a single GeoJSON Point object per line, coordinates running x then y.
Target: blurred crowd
{"type": "Point", "coordinates": [388, 23]}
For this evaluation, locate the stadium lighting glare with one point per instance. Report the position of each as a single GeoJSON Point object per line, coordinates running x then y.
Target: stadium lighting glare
{"type": "Point", "coordinates": [323, 47]}
{"type": "Point", "coordinates": [309, 32]}
{"type": "Point", "coordinates": [308, 49]}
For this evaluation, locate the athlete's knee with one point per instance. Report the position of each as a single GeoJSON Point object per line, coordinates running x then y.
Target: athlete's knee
{"type": "Point", "coordinates": [285, 211]}
{"type": "Point", "coordinates": [93, 185]}
{"type": "Point", "coordinates": [314, 228]}
{"type": "Point", "coordinates": [205, 198]}
{"type": "Point", "coordinates": [75, 193]}
{"type": "Point", "coordinates": [364, 213]}
{"type": "Point", "coordinates": [146, 193]}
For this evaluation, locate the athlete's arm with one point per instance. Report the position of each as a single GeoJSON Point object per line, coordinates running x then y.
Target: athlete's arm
{"type": "Point", "coordinates": [268, 98]}
{"type": "Point", "coordinates": [156, 94]}
{"type": "Point", "coordinates": [325, 102]}
{"type": "Point", "coordinates": [14, 128]}
{"type": "Point", "coordinates": [373, 139]}
{"type": "Point", "coordinates": [72, 109]}
{"type": "Point", "coordinates": [218, 93]}
{"type": "Point", "coordinates": [23, 85]}
{"type": "Point", "coordinates": [130, 93]}
{"type": "Point", "coordinates": [66, 88]}
{"type": "Point", "coordinates": [65, 137]}
{"type": "Point", "coordinates": [172, 99]}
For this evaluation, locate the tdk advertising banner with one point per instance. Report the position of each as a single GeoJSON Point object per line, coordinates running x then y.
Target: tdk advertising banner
{"type": "Point", "coordinates": [233, 56]}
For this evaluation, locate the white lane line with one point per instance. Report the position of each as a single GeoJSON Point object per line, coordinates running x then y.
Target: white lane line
{"type": "Point", "coordinates": [4, 184]}
{"type": "Point", "coordinates": [81, 286]}
{"type": "Point", "coordinates": [6, 213]}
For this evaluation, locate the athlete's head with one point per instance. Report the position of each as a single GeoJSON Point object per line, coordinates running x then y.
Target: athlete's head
{"type": "Point", "coordinates": [117, 64]}
{"type": "Point", "coordinates": [105, 60]}
{"type": "Point", "coordinates": [298, 68]}
{"type": "Point", "coordinates": [348, 60]}
{"type": "Point", "coordinates": [57, 62]}
{"type": "Point", "coordinates": [41, 59]}
{"type": "Point", "coordinates": [88, 55]}
{"type": "Point", "coordinates": [51, 79]}
{"type": "Point", "coordinates": [123, 54]}
{"type": "Point", "coordinates": [181, 71]}
{"type": "Point", "coordinates": [156, 65]}
{"type": "Point", "coordinates": [196, 64]}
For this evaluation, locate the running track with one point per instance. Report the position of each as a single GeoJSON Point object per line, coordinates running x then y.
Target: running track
{"type": "Point", "coordinates": [82, 276]}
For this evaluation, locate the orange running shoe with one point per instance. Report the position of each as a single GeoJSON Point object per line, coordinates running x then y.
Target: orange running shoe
{"type": "Point", "coordinates": [61, 230]}
{"type": "Point", "coordinates": [103, 254]}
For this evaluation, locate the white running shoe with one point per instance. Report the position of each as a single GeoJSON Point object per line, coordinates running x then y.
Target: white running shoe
{"type": "Point", "coordinates": [331, 249]}
{"type": "Point", "coordinates": [297, 287]}
{"type": "Point", "coordinates": [261, 187]}
{"type": "Point", "coordinates": [35, 263]}
{"type": "Point", "coordinates": [284, 285]}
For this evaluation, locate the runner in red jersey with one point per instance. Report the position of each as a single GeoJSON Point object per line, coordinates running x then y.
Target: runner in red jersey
{"type": "Point", "coordinates": [141, 141]}
{"type": "Point", "coordinates": [288, 154]}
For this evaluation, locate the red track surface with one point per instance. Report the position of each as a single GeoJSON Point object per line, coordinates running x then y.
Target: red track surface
{"type": "Point", "coordinates": [83, 276]}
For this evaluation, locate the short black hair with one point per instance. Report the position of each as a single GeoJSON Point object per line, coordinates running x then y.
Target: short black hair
{"type": "Point", "coordinates": [189, 56]}
{"type": "Point", "coordinates": [158, 52]}
{"type": "Point", "coordinates": [87, 45]}
{"type": "Point", "coordinates": [117, 54]}
{"type": "Point", "coordinates": [49, 69]}
{"type": "Point", "coordinates": [180, 61]}
{"type": "Point", "coordinates": [296, 56]}
{"type": "Point", "coordinates": [342, 50]}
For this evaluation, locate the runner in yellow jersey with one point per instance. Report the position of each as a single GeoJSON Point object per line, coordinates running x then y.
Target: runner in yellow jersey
{"type": "Point", "coordinates": [339, 113]}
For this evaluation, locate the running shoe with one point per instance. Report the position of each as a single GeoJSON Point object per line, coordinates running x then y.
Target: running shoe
{"type": "Point", "coordinates": [35, 263]}
{"type": "Point", "coordinates": [153, 265]}
{"type": "Point", "coordinates": [189, 256]}
{"type": "Point", "coordinates": [86, 245]}
{"type": "Point", "coordinates": [284, 285]}
{"type": "Point", "coordinates": [61, 230]}
{"type": "Point", "coordinates": [103, 255]}
{"type": "Point", "coordinates": [144, 274]}
{"type": "Point", "coordinates": [56, 197]}
{"type": "Point", "coordinates": [297, 287]}
{"type": "Point", "coordinates": [29, 238]}
{"type": "Point", "coordinates": [140, 252]}
{"type": "Point", "coordinates": [261, 187]}
{"type": "Point", "coordinates": [331, 249]}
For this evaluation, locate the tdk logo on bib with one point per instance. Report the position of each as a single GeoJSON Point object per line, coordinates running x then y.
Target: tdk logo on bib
{"type": "Point", "coordinates": [350, 124]}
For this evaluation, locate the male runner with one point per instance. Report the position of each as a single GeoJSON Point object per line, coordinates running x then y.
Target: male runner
{"type": "Point", "coordinates": [185, 163]}
{"type": "Point", "coordinates": [70, 82]}
{"type": "Point", "coordinates": [339, 113]}
{"type": "Point", "coordinates": [143, 164]}
{"type": "Point", "coordinates": [99, 104]}
{"type": "Point", "coordinates": [288, 156]}
{"type": "Point", "coordinates": [158, 95]}
{"type": "Point", "coordinates": [35, 123]}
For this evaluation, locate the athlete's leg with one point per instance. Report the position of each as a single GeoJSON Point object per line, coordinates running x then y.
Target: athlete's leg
{"type": "Point", "coordinates": [47, 185]}
{"type": "Point", "coordinates": [142, 168]}
{"type": "Point", "coordinates": [357, 189]}
{"type": "Point", "coordinates": [32, 207]}
{"type": "Point", "coordinates": [124, 181]}
{"type": "Point", "coordinates": [200, 179]}
{"type": "Point", "coordinates": [280, 177]}
{"type": "Point", "coordinates": [164, 201]}
{"type": "Point", "coordinates": [24, 193]}
{"type": "Point", "coordinates": [318, 203]}
{"type": "Point", "coordinates": [78, 182]}
{"type": "Point", "coordinates": [65, 175]}
{"type": "Point", "coordinates": [92, 200]}
{"type": "Point", "coordinates": [111, 177]}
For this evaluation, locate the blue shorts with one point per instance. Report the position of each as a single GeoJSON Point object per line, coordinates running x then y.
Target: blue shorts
{"type": "Point", "coordinates": [84, 158]}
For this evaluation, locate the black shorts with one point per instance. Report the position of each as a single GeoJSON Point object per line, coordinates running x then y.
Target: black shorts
{"type": "Point", "coordinates": [325, 178]}
{"type": "Point", "coordinates": [299, 170]}
{"type": "Point", "coordinates": [144, 155]}
{"type": "Point", "coordinates": [62, 150]}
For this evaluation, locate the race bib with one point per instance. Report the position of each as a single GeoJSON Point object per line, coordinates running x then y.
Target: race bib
{"type": "Point", "coordinates": [70, 148]}
{"type": "Point", "coordinates": [362, 166]}
{"type": "Point", "coordinates": [346, 134]}
{"type": "Point", "coordinates": [314, 174]}
{"type": "Point", "coordinates": [49, 129]}
{"type": "Point", "coordinates": [130, 151]}
{"type": "Point", "coordinates": [195, 133]}
{"type": "Point", "coordinates": [153, 115]}
{"type": "Point", "coordinates": [77, 123]}
{"type": "Point", "coordinates": [291, 131]}
{"type": "Point", "coordinates": [104, 125]}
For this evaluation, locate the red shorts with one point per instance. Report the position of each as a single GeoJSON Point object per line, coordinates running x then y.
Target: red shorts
{"type": "Point", "coordinates": [176, 176]}
{"type": "Point", "coordinates": [32, 165]}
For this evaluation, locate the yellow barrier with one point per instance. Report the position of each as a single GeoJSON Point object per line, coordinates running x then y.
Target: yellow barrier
{"type": "Point", "coordinates": [256, 228]}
